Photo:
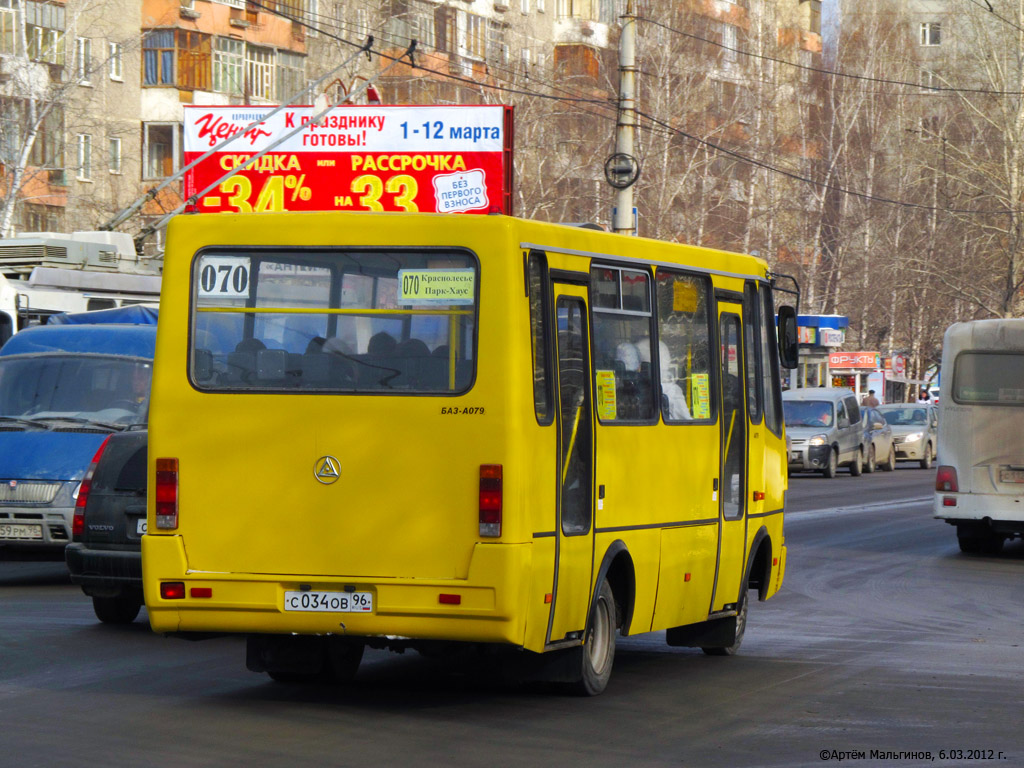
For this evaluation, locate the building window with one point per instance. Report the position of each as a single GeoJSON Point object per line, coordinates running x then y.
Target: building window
{"type": "Point", "coordinates": [228, 65]}
{"type": "Point", "coordinates": [176, 57]}
{"type": "Point", "coordinates": [158, 57]}
{"type": "Point", "coordinates": [476, 36]}
{"type": "Point", "coordinates": [194, 60]}
{"type": "Point", "coordinates": [524, 6]}
{"type": "Point", "coordinates": [232, 3]}
{"type": "Point", "coordinates": [540, 6]}
{"type": "Point", "coordinates": [114, 61]}
{"type": "Point", "coordinates": [83, 59]}
{"type": "Point", "coordinates": [44, 32]}
{"type": "Point", "coordinates": [578, 9]}
{"type": "Point", "coordinates": [728, 43]}
{"type": "Point", "coordinates": [8, 28]}
{"type": "Point", "coordinates": [929, 80]}
{"type": "Point", "coordinates": [160, 148]}
{"type": "Point", "coordinates": [931, 33]}
{"type": "Point", "coordinates": [291, 80]}
{"type": "Point", "coordinates": [259, 72]}
{"type": "Point", "coordinates": [41, 218]}
{"type": "Point", "coordinates": [84, 141]}
{"type": "Point", "coordinates": [115, 156]}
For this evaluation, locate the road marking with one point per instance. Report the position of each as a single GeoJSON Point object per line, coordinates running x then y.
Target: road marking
{"type": "Point", "coordinates": [891, 503]}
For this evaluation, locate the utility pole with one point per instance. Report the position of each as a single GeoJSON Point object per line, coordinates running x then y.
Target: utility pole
{"type": "Point", "coordinates": [622, 169]}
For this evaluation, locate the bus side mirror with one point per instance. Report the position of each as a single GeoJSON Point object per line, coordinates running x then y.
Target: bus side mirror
{"type": "Point", "coordinates": [788, 345]}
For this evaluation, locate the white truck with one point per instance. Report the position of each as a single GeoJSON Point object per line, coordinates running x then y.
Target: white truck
{"type": "Point", "coordinates": [45, 273]}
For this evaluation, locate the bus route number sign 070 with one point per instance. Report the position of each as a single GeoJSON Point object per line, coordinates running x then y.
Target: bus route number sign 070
{"type": "Point", "coordinates": [329, 602]}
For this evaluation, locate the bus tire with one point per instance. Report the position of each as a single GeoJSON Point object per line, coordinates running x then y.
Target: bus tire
{"type": "Point", "coordinates": [977, 540]}
{"type": "Point", "coordinates": [598, 651]}
{"type": "Point", "coordinates": [741, 628]}
{"type": "Point", "coordinates": [116, 610]}
{"type": "Point", "coordinates": [343, 659]}
{"type": "Point", "coordinates": [890, 463]}
{"type": "Point", "coordinates": [829, 470]}
{"type": "Point", "coordinates": [926, 460]}
{"type": "Point", "coordinates": [857, 465]}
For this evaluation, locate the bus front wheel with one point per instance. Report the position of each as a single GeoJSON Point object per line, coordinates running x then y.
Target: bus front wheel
{"type": "Point", "coordinates": [598, 651]}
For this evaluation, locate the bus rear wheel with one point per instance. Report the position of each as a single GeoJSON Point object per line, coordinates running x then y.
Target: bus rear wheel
{"type": "Point", "coordinates": [598, 651]}
{"type": "Point", "coordinates": [978, 540]}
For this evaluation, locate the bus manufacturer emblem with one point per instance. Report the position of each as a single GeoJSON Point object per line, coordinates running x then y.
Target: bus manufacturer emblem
{"type": "Point", "coordinates": [327, 470]}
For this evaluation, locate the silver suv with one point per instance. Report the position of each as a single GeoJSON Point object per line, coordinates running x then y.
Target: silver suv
{"type": "Point", "coordinates": [824, 427]}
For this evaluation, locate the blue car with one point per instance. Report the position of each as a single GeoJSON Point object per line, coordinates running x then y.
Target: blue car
{"type": "Point", "coordinates": [63, 390]}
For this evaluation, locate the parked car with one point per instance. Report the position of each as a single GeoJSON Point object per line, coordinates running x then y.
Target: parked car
{"type": "Point", "coordinates": [878, 439]}
{"type": "Point", "coordinates": [105, 556]}
{"type": "Point", "coordinates": [63, 389]}
{"type": "Point", "coordinates": [824, 426]}
{"type": "Point", "coordinates": [915, 431]}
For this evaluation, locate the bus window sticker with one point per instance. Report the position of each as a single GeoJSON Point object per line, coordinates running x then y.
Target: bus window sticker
{"type": "Point", "coordinates": [701, 396]}
{"type": "Point", "coordinates": [606, 404]}
{"type": "Point", "coordinates": [224, 277]}
{"type": "Point", "coordinates": [436, 286]}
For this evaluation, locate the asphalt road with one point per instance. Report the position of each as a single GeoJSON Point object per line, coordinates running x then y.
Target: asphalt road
{"type": "Point", "coordinates": [884, 637]}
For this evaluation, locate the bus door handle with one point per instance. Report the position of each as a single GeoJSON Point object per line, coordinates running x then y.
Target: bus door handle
{"type": "Point", "coordinates": [714, 484]}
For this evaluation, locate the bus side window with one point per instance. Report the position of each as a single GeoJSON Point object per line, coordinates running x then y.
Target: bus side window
{"type": "Point", "coordinates": [536, 270]}
{"type": "Point", "coordinates": [685, 349]}
{"type": "Point", "coordinates": [771, 378]}
{"type": "Point", "coordinates": [751, 344]}
{"type": "Point", "coordinates": [623, 340]}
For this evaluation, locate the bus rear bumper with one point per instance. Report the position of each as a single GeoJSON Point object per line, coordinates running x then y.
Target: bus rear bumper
{"type": "Point", "coordinates": [488, 606]}
{"type": "Point", "coordinates": [979, 506]}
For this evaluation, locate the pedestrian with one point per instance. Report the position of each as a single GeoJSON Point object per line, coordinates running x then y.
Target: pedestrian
{"type": "Point", "coordinates": [924, 397]}
{"type": "Point", "coordinates": [870, 400]}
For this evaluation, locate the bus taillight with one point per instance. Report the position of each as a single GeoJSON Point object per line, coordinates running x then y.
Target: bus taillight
{"type": "Point", "coordinates": [490, 500]}
{"type": "Point", "coordinates": [167, 494]}
{"type": "Point", "coordinates": [945, 480]}
{"type": "Point", "coordinates": [78, 521]}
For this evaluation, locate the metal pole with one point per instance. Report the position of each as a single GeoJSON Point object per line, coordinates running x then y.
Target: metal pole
{"type": "Point", "coordinates": [625, 128]}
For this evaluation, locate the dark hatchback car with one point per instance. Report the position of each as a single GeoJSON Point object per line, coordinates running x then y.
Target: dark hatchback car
{"type": "Point", "coordinates": [105, 555]}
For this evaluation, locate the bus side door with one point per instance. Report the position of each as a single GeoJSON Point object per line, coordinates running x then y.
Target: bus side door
{"type": "Point", "coordinates": [733, 480]}
{"type": "Point", "coordinates": [574, 529]}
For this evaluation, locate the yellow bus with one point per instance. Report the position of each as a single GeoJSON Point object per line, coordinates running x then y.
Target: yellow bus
{"type": "Point", "coordinates": [393, 430]}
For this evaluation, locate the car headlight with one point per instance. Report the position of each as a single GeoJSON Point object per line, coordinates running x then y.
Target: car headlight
{"type": "Point", "coordinates": [818, 440]}
{"type": "Point", "coordinates": [913, 436]}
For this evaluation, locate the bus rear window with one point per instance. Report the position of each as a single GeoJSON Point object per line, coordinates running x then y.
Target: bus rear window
{"type": "Point", "coordinates": [396, 321]}
{"type": "Point", "coordinates": [989, 378]}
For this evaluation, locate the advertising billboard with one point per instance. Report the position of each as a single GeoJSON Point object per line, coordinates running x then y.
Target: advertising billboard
{"type": "Point", "coordinates": [449, 159]}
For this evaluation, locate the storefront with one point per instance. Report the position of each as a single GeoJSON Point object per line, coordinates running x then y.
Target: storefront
{"type": "Point", "coordinates": [818, 336]}
{"type": "Point", "coordinates": [864, 371]}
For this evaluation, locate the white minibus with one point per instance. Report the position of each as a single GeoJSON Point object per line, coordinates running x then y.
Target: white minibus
{"type": "Point", "coordinates": [979, 486]}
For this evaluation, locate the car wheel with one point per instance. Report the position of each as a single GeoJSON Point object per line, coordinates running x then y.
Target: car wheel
{"type": "Point", "coordinates": [857, 465]}
{"type": "Point", "coordinates": [926, 460]}
{"type": "Point", "coordinates": [598, 650]}
{"type": "Point", "coordinates": [741, 628]}
{"type": "Point", "coordinates": [872, 463]}
{"type": "Point", "coordinates": [116, 610]}
{"type": "Point", "coordinates": [833, 464]}
{"type": "Point", "coordinates": [890, 463]}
